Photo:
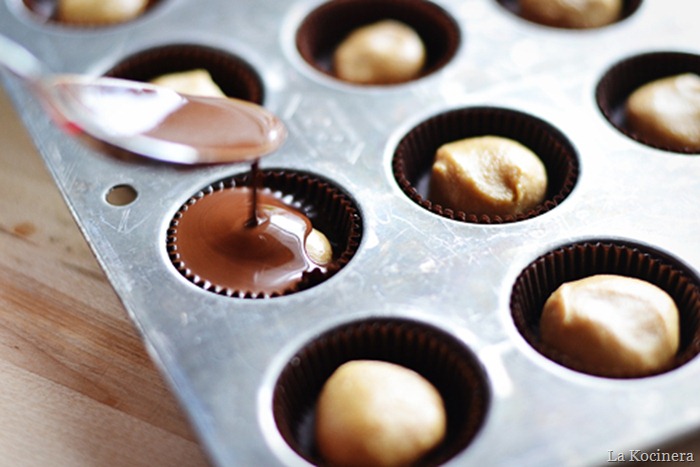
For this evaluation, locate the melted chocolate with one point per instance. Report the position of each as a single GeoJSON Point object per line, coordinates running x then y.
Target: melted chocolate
{"type": "Point", "coordinates": [159, 123]}
{"type": "Point", "coordinates": [216, 242]}
{"type": "Point", "coordinates": [232, 131]}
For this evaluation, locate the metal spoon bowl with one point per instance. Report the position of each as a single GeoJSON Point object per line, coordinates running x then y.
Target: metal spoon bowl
{"type": "Point", "coordinates": [148, 120]}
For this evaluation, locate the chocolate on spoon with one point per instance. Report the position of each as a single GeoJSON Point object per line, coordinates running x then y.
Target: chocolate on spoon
{"type": "Point", "coordinates": [149, 120]}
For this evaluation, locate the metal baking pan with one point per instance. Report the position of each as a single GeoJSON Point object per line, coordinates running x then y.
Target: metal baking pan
{"type": "Point", "coordinates": [223, 355]}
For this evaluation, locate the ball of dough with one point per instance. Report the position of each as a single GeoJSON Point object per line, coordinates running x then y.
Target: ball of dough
{"type": "Point", "coordinates": [612, 325]}
{"type": "Point", "coordinates": [574, 14]}
{"type": "Point", "coordinates": [99, 11]}
{"type": "Point", "coordinates": [666, 112]}
{"type": "Point", "coordinates": [375, 413]}
{"type": "Point", "coordinates": [386, 52]}
{"type": "Point", "coordinates": [487, 175]}
{"type": "Point", "coordinates": [197, 82]}
{"type": "Point", "coordinates": [318, 248]}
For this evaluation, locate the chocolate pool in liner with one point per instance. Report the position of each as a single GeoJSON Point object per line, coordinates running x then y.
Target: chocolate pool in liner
{"type": "Point", "coordinates": [47, 11]}
{"type": "Point", "coordinates": [236, 77]}
{"type": "Point", "coordinates": [628, 75]}
{"type": "Point", "coordinates": [330, 210]}
{"type": "Point", "coordinates": [628, 9]}
{"type": "Point", "coordinates": [324, 29]}
{"type": "Point", "coordinates": [582, 259]}
{"type": "Point", "coordinates": [440, 358]}
{"type": "Point", "coordinates": [415, 154]}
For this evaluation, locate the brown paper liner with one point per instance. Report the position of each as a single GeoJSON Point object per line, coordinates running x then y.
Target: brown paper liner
{"type": "Point", "coordinates": [415, 154]}
{"type": "Point", "coordinates": [437, 356]}
{"type": "Point", "coordinates": [629, 7]}
{"type": "Point", "coordinates": [579, 260]}
{"type": "Point", "coordinates": [232, 74]}
{"type": "Point", "coordinates": [625, 77]}
{"type": "Point", "coordinates": [47, 10]}
{"type": "Point", "coordinates": [330, 210]}
{"type": "Point", "coordinates": [324, 29]}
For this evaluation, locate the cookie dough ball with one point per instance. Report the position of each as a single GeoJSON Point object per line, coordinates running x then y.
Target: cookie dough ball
{"type": "Point", "coordinates": [666, 112]}
{"type": "Point", "coordinates": [197, 82]}
{"type": "Point", "coordinates": [318, 248]}
{"type": "Point", "coordinates": [574, 14]}
{"type": "Point", "coordinates": [374, 413]}
{"type": "Point", "coordinates": [386, 52]}
{"type": "Point", "coordinates": [99, 11]}
{"type": "Point", "coordinates": [487, 175]}
{"type": "Point", "coordinates": [612, 325]}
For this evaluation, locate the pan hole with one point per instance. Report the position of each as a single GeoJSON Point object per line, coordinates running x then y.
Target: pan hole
{"type": "Point", "coordinates": [121, 195]}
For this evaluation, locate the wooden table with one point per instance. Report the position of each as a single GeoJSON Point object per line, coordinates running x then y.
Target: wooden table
{"type": "Point", "coordinates": [77, 387]}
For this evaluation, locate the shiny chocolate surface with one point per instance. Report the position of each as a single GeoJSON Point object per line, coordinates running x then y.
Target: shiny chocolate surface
{"type": "Point", "coordinates": [215, 240]}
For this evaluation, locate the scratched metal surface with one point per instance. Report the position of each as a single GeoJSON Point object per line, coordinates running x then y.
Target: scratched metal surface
{"type": "Point", "coordinates": [223, 355]}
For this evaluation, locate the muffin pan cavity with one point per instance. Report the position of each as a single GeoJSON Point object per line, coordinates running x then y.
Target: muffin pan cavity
{"type": "Point", "coordinates": [629, 7]}
{"type": "Point", "coordinates": [434, 354]}
{"type": "Point", "coordinates": [415, 153]}
{"type": "Point", "coordinates": [47, 11]}
{"type": "Point", "coordinates": [587, 258]}
{"type": "Point", "coordinates": [324, 28]}
{"type": "Point", "coordinates": [234, 75]}
{"type": "Point", "coordinates": [628, 75]}
{"type": "Point", "coordinates": [330, 210]}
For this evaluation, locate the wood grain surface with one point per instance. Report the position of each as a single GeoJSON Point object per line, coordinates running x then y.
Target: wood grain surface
{"type": "Point", "coordinates": [77, 387]}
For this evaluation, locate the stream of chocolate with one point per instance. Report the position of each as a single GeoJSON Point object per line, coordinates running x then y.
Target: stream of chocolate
{"type": "Point", "coordinates": [254, 219]}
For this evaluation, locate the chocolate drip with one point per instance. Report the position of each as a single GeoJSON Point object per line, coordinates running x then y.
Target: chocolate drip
{"type": "Point", "coordinates": [254, 220]}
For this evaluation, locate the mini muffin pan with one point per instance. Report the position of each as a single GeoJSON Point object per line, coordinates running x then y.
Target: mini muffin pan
{"type": "Point", "coordinates": [453, 296]}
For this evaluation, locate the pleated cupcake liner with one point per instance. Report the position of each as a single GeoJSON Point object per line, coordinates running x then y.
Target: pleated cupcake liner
{"type": "Point", "coordinates": [330, 210]}
{"type": "Point", "coordinates": [415, 155]}
{"type": "Point", "coordinates": [325, 27]}
{"type": "Point", "coordinates": [629, 7]}
{"type": "Point", "coordinates": [583, 259]}
{"type": "Point", "coordinates": [47, 11]}
{"type": "Point", "coordinates": [235, 76]}
{"type": "Point", "coordinates": [628, 75]}
{"type": "Point", "coordinates": [441, 359]}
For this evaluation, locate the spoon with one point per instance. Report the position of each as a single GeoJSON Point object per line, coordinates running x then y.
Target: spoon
{"type": "Point", "coordinates": [148, 120]}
